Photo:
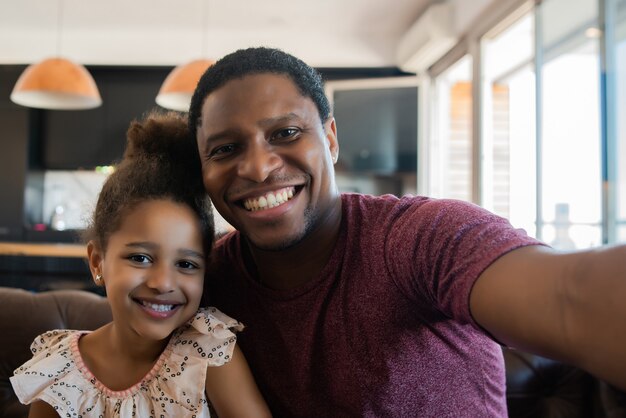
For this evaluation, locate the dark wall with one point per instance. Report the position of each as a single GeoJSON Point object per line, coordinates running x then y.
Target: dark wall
{"type": "Point", "coordinates": [13, 157]}
{"type": "Point", "coordinates": [95, 137]}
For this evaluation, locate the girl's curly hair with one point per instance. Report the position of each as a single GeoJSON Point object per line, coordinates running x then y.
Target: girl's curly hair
{"type": "Point", "coordinates": [160, 162]}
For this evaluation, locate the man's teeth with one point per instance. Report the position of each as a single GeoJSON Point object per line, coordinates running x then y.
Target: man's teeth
{"type": "Point", "coordinates": [269, 200]}
{"type": "Point", "coordinates": [157, 307]}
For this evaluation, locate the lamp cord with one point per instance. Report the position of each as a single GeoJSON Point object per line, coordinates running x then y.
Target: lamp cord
{"type": "Point", "coordinates": [205, 17]}
{"type": "Point", "coordinates": [59, 23]}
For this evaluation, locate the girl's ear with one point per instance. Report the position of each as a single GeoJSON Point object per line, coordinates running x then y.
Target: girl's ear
{"type": "Point", "coordinates": [95, 257]}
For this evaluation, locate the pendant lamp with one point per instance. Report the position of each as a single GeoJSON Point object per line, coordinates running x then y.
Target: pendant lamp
{"type": "Point", "coordinates": [176, 91]}
{"type": "Point", "coordinates": [178, 87]}
{"type": "Point", "coordinates": [56, 83]}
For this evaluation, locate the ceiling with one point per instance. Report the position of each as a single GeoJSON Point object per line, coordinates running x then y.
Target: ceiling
{"type": "Point", "coordinates": [325, 33]}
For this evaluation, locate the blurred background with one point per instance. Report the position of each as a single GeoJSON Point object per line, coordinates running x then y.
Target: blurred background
{"type": "Point", "coordinates": [518, 106]}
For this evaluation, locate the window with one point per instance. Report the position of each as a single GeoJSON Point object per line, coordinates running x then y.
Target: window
{"type": "Point", "coordinates": [570, 172]}
{"type": "Point", "coordinates": [450, 145]}
{"type": "Point", "coordinates": [549, 136]}
{"type": "Point", "coordinates": [617, 39]}
{"type": "Point", "coordinates": [508, 118]}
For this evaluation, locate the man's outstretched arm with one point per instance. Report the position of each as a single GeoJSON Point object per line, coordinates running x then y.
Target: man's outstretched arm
{"type": "Point", "coordinates": [568, 306]}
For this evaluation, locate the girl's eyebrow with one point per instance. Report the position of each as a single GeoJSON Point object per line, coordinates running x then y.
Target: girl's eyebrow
{"type": "Point", "coordinates": [143, 244]}
{"type": "Point", "coordinates": [191, 253]}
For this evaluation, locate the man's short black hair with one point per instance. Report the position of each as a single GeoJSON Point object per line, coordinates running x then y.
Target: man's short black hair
{"type": "Point", "coordinates": [260, 60]}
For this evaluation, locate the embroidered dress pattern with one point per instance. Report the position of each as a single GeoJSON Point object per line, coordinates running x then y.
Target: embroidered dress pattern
{"type": "Point", "coordinates": [174, 386]}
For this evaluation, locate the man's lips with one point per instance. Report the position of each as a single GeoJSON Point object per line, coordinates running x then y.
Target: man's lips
{"type": "Point", "coordinates": [267, 199]}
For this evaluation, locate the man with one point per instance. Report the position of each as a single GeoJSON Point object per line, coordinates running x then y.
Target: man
{"type": "Point", "coordinates": [377, 306]}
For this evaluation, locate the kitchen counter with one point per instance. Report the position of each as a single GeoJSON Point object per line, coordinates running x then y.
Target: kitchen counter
{"type": "Point", "coordinates": [43, 249]}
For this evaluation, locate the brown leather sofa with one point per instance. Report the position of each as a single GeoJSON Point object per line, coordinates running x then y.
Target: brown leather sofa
{"type": "Point", "coordinates": [536, 387]}
{"type": "Point", "coordinates": [24, 315]}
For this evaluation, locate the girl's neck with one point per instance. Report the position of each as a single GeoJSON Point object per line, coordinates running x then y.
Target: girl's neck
{"type": "Point", "coordinates": [127, 345]}
{"type": "Point", "coordinates": [117, 360]}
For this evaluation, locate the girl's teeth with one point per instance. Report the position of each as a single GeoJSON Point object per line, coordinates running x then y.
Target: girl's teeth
{"type": "Point", "coordinates": [156, 307]}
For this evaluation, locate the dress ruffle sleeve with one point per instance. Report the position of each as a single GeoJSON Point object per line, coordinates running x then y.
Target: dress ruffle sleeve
{"type": "Point", "coordinates": [51, 362]}
{"type": "Point", "coordinates": [209, 336]}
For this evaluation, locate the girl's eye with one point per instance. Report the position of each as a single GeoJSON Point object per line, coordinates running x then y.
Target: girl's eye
{"type": "Point", "coordinates": [285, 134]}
{"type": "Point", "coordinates": [139, 258]}
{"type": "Point", "coordinates": [187, 265]}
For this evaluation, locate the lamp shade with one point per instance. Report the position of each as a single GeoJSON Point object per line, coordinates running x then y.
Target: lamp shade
{"type": "Point", "coordinates": [56, 83]}
{"type": "Point", "coordinates": [179, 85]}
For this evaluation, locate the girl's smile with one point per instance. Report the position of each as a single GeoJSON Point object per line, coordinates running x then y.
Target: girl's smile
{"type": "Point", "coordinates": [153, 270]}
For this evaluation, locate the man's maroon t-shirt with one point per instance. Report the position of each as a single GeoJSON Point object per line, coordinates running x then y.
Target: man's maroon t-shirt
{"type": "Point", "coordinates": [385, 329]}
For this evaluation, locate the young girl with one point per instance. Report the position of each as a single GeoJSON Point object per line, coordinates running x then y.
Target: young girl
{"type": "Point", "coordinates": [148, 244]}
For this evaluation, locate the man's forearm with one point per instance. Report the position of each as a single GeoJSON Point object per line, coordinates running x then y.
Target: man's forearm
{"type": "Point", "coordinates": [595, 301]}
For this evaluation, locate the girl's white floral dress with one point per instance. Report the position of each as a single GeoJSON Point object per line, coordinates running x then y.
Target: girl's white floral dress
{"type": "Point", "coordinates": [173, 388]}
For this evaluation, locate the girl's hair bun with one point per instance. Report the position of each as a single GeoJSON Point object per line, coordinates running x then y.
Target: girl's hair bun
{"type": "Point", "coordinates": [160, 134]}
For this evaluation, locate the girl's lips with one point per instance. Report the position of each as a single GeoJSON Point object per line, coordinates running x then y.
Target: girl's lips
{"type": "Point", "coordinates": [159, 310]}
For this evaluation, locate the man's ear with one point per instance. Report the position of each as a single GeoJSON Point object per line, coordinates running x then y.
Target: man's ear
{"type": "Point", "coordinates": [330, 128]}
{"type": "Point", "coordinates": [95, 257]}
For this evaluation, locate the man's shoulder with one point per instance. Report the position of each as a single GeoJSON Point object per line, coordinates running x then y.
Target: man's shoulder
{"type": "Point", "coordinates": [409, 202]}
{"type": "Point", "coordinates": [386, 206]}
{"type": "Point", "coordinates": [225, 249]}
{"type": "Point", "coordinates": [226, 239]}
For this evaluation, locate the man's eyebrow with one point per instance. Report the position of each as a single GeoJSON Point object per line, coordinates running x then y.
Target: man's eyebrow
{"type": "Point", "coordinates": [219, 135]}
{"type": "Point", "coordinates": [288, 117]}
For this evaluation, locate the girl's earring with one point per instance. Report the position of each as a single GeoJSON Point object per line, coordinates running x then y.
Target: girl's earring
{"type": "Point", "coordinates": [98, 279]}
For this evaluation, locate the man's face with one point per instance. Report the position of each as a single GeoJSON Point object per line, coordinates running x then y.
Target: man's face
{"type": "Point", "coordinates": [267, 160]}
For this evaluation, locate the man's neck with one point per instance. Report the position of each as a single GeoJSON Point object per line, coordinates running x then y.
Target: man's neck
{"type": "Point", "coordinates": [296, 265]}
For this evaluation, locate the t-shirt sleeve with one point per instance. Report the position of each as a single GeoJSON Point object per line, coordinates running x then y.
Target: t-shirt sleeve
{"type": "Point", "coordinates": [436, 250]}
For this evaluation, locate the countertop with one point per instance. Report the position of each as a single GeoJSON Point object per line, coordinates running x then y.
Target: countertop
{"type": "Point", "coordinates": [43, 249]}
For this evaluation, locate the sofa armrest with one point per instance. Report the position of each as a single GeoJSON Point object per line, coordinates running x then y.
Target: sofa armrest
{"type": "Point", "coordinates": [539, 387]}
{"type": "Point", "coordinates": [24, 315]}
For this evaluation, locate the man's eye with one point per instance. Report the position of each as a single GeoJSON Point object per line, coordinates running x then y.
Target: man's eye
{"type": "Point", "coordinates": [222, 151]}
{"type": "Point", "coordinates": [139, 258]}
{"type": "Point", "coordinates": [285, 134]}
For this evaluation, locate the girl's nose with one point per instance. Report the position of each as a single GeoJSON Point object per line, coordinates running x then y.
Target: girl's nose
{"type": "Point", "coordinates": [161, 279]}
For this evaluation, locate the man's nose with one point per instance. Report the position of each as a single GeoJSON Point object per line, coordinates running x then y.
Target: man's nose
{"type": "Point", "coordinates": [259, 161]}
{"type": "Point", "coordinates": [161, 279]}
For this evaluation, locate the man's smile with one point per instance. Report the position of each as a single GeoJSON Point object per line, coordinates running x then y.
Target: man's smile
{"type": "Point", "coordinates": [269, 200]}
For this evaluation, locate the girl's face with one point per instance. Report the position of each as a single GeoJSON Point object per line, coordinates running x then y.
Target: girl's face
{"type": "Point", "coordinates": [153, 269]}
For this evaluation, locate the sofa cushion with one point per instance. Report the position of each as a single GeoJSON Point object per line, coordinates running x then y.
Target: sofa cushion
{"type": "Point", "coordinates": [24, 315]}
